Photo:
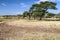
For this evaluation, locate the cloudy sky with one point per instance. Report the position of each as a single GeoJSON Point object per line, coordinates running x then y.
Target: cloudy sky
{"type": "Point", "coordinates": [13, 7]}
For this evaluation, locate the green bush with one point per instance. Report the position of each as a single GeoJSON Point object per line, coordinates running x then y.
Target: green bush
{"type": "Point", "coordinates": [1, 20]}
{"type": "Point", "coordinates": [51, 19]}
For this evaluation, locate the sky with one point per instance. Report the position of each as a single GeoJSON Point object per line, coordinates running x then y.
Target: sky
{"type": "Point", "coordinates": [14, 7]}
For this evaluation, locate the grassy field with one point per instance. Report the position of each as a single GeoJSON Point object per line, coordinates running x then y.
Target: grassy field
{"type": "Point", "coordinates": [30, 30]}
{"type": "Point", "coordinates": [35, 23]}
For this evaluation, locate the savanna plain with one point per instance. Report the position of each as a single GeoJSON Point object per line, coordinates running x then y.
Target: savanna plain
{"type": "Point", "coordinates": [29, 30]}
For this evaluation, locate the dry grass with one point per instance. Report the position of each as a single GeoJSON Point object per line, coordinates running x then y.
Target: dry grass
{"type": "Point", "coordinates": [35, 36]}
{"type": "Point", "coordinates": [35, 23]}
{"type": "Point", "coordinates": [18, 33]}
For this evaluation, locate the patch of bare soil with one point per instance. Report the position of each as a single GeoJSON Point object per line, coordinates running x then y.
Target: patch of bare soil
{"type": "Point", "coordinates": [5, 27]}
{"type": "Point", "coordinates": [7, 31]}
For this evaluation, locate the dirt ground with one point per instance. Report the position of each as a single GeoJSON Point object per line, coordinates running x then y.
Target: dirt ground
{"type": "Point", "coordinates": [29, 30]}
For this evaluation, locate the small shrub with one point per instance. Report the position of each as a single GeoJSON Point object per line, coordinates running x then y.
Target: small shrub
{"type": "Point", "coordinates": [51, 19]}
{"type": "Point", "coordinates": [1, 20]}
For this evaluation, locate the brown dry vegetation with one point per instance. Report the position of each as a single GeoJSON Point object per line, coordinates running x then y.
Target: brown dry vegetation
{"type": "Point", "coordinates": [30, 30]}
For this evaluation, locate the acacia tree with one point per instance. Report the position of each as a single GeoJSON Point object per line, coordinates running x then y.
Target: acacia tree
{"type": "Point", "coordinates": [49, 15]}
{"type": "Point", "coordinates": [42, 8]}
{"type": "Point", "coordinates": [26, 14]}
{"type": "Point", "coordinates": [36, 14]}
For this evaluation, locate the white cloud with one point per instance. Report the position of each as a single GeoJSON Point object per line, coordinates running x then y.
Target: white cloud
{"type": "Point", "coordinates": [23, 4]}
{"type": "Point", "coordinates": [3, 4]}
{"type": "Point", "coordinates": [41, 1]}
{"type": "Point", "coordinates": [19, 12]}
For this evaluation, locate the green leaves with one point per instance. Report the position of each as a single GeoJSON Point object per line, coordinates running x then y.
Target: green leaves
{"type": "Point", "coordinates": [49, 15]}
{"type": "Point", "coordinates": [25, 14]}
{"type": "Point", "coordinates": [39, 10]}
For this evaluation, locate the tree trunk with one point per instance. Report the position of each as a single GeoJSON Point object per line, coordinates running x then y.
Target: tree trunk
{"type": "Point", "coordinates": [29, 17]}
{"type": "Point", "coordinates": [34, 17]}
{"type": "Point", "coordinates": [40, 18]}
